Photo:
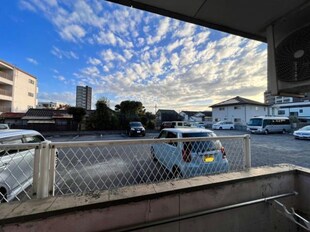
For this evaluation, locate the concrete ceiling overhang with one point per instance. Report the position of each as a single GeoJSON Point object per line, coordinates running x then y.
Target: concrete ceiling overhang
{"type": "Point", "coordinates": [246, 18]}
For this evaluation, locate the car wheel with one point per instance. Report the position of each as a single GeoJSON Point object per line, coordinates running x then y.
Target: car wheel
{"type": "Point", "coordinates": [220, 128]}
{"type": "Point", "coordinates": [283, 131]}
{"type": "Point", "coordinates": [3, 195]}
{"type": "Point", "coordinates": [231, 128]}
{"type": "Point", "coordinates": [176, 172]}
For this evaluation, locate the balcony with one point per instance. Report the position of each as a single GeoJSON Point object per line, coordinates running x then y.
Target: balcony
{"type": "Point", "coordinates": [6, 92]}
{"type": "Point", "coordinates": [5, 109]}
{"type": "Point", "coordinates": [6, 76]}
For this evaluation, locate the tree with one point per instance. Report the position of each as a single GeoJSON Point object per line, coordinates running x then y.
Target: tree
{"type": "Point", "coordinates": [78, 115]}
{"type": "Point", "coordinates": [103, 118]}
{"type": "Point", "coordinates": [103, 114]}
{"type": "Point", "coordinates": [129, 111]}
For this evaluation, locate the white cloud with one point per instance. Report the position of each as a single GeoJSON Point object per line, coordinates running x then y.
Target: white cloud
{"type": "Point", "coordinates": [93, 61]}
{"type": "Point", "coordinates": [32, 61]}
{"type": "Point", "coordinates": [26, 6]}
{"type": "Point", "coordinates": [130, 54]}
{"type": "Point", "coordinates": [60, 78]}
{"type": "Point", "coordinates": [72, 33]}
{"type": "Point", "coordinates": [65, 97]}
{"type": "Point", "coordinates": [63, 54]}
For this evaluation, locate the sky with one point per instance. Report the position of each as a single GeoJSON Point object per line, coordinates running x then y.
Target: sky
{"type": "Point", "coordinates": [128, 54]}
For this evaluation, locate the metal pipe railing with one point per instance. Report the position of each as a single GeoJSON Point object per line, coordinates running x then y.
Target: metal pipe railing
{"type": "Point", "coordinates": [205, 212]}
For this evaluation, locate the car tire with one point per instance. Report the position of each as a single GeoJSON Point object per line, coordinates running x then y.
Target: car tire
{"type": "Point", "coordinates": [266, 132]}
{"type": "Point", "coordinates": [220, 128]}
{"type": "Point", "coordinates": [283, 131]}
{"type": "Point", "coordinates": [231, 128]}
{"type": "Point", "coordinates": [176, 172]}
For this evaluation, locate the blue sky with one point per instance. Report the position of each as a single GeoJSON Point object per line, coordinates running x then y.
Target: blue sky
{"type": "Point", "coordinates": [128, 54]}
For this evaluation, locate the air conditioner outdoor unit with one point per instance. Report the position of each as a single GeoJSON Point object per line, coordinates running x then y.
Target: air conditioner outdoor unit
{"type": "Point", "coordinates": [289, 54]}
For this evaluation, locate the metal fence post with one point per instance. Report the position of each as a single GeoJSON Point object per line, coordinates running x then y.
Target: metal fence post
{"type": "Point", "coordinates": [36, 170]}
{"type": "Point", "coordinates": [43, 182]}
{"type": "Point", "coordinates": [52, 171]}
{"type": "Point", "coordinates": [247, 151]}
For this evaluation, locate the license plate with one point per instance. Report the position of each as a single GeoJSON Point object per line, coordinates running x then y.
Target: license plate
{"type": "Point", "coordinates": [208, 158]}
{"type": "Point", "coordinates": [138, 131]}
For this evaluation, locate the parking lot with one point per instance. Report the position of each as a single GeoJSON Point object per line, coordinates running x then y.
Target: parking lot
{"type": "Point", "coordinates": [266, 149]}
{"type": "Point", "coordinates": [83, 169]}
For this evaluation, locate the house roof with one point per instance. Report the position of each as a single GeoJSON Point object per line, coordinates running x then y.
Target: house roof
{"type": "Point", "coordinates": [46, 114]}
{"type": "Point", "coordinates": [12, 115]}
{"type": "Point", "coordinates": [238, 101]}
{"type": "Point", "coordinates": [166, 111]}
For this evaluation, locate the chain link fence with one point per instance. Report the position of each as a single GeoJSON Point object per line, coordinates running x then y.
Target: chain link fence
{"type": "Point", "coordinates": [51, 168]}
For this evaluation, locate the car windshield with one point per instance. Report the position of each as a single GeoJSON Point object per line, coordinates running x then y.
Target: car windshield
{"type": "Point", "coordinates": [201, 146]}
{"type": "Point", "coordinates": [135, 124]}
{"type": "Point", "coordinates": [306, 128]}
{"type": "Point", "coordinates": [255, 122]}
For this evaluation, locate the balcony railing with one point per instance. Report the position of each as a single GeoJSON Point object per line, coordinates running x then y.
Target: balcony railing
{"type": "Point", "coordinates": [6, 76]}
{"type": "Point", "coordinates": [6, 92]}
{"type": "Point", "coordinates": [5, 109]}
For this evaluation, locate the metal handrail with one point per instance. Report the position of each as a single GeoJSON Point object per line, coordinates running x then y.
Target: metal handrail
{"type": "Point", "coordinates": [140, 141]}
{"type": "Point", "coordinates": [205, 212]}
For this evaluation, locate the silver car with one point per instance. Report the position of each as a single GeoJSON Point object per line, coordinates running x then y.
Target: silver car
{"type": "Point", "coordinates": [187, 159]}
{"type": "Point", "coordinates": [16, 165]}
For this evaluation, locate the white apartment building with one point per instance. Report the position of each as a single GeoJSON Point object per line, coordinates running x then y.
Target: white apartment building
{"type": "Point", "coordinates": [50, 105]}
{"type": "Point", "coordinates": [18, 89]}
{"type": "Point", "coordinates": [238, 110]}
{"type": "Point", "coordinates": [299, 109]}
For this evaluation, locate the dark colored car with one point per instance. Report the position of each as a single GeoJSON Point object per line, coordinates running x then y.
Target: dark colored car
{"type": "Point", "coordinates": [135, 128]}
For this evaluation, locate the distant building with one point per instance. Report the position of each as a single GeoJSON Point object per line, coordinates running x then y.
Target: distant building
{"type": "Point", "coordinates": [196, 116]}
{"type": "Point", "coordinates": [18, 89]}
{"type": "Point", "coordinates": [301, 110]}
{"type": "Point", "coordinates": [238, 110]}
{"type": "Point", "coordinates": [50, 105]}
{"type": "Point", "coordinates": [83, 97]}
{"type": "Point", "coordinates": [166, 115]}
{"type": "Point", "coordinates": [271, 100]}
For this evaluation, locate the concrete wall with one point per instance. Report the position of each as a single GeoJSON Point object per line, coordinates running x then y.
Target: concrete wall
{"type": "Point", "coordinates": [125, 207]}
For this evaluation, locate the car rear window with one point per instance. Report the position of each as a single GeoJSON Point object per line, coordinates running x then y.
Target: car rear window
{"type": "Point", "coordinates": [201, 146]}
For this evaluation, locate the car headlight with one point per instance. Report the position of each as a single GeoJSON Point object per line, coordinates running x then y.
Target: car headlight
{"type": "Point", "coordinates": [132, 129]}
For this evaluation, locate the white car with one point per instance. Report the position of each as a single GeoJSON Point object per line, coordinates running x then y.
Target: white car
{"type": "Point", "coordinates": [302, 133]}
{"type": "Point", "coordinates": [187, 159]}
{"type": "Point", "coordinates": [223, 125]}
{"type": "Point", "coordinates": [16, 166]}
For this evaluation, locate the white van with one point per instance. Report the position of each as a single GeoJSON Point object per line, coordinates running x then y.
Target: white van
{"type": "Point", "coordinates": [269, 124]}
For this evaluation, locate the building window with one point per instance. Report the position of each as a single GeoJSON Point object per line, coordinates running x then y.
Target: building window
{"type": "Point", "coordinates": [222, 108]}
{"type": "Point", "coordinates": [237, 107]}
{"type": "Point", "coordinates": [301, 111]}
{"type": "Point", "coordinates": [30, 94]}
{"type": "Point", "coordinates": [281, 112]}
{"type": "Point", "coordinates": [31, 81]}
